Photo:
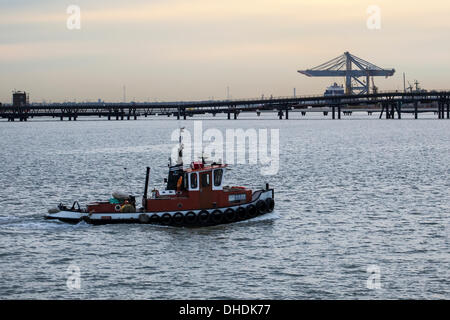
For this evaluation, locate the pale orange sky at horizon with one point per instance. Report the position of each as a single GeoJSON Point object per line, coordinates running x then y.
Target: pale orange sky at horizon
{"type": "Point", "coordinates": [170, 50]}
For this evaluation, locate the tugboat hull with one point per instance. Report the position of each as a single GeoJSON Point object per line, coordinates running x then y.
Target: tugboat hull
{"type": "Point", "coordinates": [262, 203]}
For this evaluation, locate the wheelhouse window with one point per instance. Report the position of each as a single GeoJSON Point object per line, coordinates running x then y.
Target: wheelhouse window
{"type": "Point", "coordinates": [218, 174]}
{"type": "Point", "coordinates": [194, 182]}
{"type": "Point", "coordinates": [205, 180]}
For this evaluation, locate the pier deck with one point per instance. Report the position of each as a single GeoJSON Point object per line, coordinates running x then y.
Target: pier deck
{"type": "Point", "coordinates": [389, 104]}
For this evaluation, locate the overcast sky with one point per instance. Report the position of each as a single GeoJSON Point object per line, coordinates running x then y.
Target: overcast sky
{"type": "Point", "coordinates": [192, 50]}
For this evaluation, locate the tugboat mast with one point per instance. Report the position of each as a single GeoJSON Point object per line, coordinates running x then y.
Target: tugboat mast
{"type": "Point", "coordinates": [180, 148]}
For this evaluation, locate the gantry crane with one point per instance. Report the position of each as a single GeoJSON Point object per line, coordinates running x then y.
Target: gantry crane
{"type": "Point", "coordinates": [352, 69]}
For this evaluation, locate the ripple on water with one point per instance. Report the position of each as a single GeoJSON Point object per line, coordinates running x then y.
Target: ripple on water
{"type": "Point", "coordinates": [345, 200]}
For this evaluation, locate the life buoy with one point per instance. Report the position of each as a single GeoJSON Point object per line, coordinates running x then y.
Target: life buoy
{"type": "Point", "coordinates": [178, 218]}
{"type": "Point", "coordinates": [230, 215]}
{"type": "Point", "coordinates": [270, 204]}
{"type": "Point", "coordinates": [117, 208]}
{"type": "Point", "coordinates": [241, 213]}
{"type": "Point", "coordinates": [166, 219]}
{"type": "Point", "coordinates": [261, 205]}
{"type": "Point", "coordinates": [217, 216]}
{"type": "Point", "coordinates": [203, 217]}
{"type": "Point", "coordinates": [154, 219]}
{"type": "Point", "coordinates": [190, 218]}
{"type": "Point", "coordinates": [252, 211]}
{"type": "Point", "coordinates": [143, 218]}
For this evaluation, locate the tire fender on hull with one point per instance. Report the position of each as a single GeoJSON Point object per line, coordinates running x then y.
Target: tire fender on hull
{"type": "Point", "coordinates": [217, 216]}
{"type": "Point", "coordinates": [203, 217]}
{"type": "Point", "coordinates": [178, 218]}
{"type": "Point", "coordinates": [252, 212]}
{"type": "Point", "coordinates": [270, 204]}
{"type": "Point", "coordinates": [144, 218]}
{"type": "Point", "coordinates": [261, 205]}
{"type": "Point", "coordinates": [190, 218]}
{"type": "Point", "coordinates": [241, 213]}
{"type": "Point", "coordinates": [155, 219]}
{"type": "Point", "coordinates": [230, 215]}
{"type": "Point", "coordinates": [166, 219]}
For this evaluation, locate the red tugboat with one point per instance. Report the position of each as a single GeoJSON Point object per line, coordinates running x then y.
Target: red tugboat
{"type": "Point", "coordinates": [194, 197]}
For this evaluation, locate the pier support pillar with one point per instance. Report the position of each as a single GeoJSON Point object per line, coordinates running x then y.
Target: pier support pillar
{"type": "Point", "coordinates": [235, 115]}
{"type": "Point", "coordinates": [399, 110]}
{"type": "Point", "coordinates": [448, 110]}
{"type": "Point", "coordinates": [339, 112]}
{"type": "Point", "coordinates": [334, 112]}
{"type": "Point", "coordinates": [229, 115]}
{"type": "Point", "coordinates": [416, 113]}
{"type": "Point", "coordinates": [287, 114]}
{"type": "Point", "coordinates": [61, 118]}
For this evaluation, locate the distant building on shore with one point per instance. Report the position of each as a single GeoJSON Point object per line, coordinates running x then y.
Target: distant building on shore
{"type": "Point", "coordinates": [20, 99]}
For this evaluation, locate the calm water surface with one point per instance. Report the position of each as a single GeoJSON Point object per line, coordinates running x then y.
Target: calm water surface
{"type": "Point", "coordinates": [349, 194]}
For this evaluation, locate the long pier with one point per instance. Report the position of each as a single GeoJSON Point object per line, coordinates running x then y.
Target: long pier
{"type": "Point", "coordinates": [390, 104]}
